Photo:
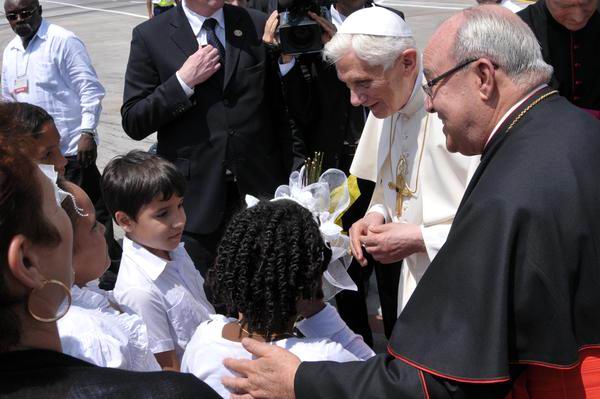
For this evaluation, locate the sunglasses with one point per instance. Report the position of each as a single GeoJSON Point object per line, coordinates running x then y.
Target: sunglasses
{"type": "Point", "coordinates": [23, 14]}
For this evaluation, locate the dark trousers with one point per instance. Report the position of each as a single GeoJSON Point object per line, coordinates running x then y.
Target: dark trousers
{"type": "Point", "coordinates": [352, 305]}
{"type": "Point", "coordinates": [89, 180]}
{"type": "Point", "coordinates": [388, 278]}
{"type": "Point", "coordinates": [202, 248]}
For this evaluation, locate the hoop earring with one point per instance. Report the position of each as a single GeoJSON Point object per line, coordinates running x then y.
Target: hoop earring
{"type": "Point", "coordinates": [67, 291]}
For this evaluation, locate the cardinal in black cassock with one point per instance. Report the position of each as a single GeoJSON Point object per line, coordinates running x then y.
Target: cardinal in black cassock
{"type": "Point", "coordinates": [575, 55]}
{"type": "Point", "coordinates": [517, 282]}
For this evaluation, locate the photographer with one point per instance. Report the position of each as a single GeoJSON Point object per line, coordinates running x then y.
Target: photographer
{"type": "Point", "coordinates": [320, 107]}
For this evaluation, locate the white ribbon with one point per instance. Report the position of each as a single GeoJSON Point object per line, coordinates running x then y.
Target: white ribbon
{"type": "Point", "coordinates": [326, 199]}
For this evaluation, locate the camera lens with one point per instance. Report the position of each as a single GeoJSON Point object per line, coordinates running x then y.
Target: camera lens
{"type": "Point", "coordinates": [302, 36]}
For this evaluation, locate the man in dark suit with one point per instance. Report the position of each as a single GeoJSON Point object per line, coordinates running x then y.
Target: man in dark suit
{"type": "Point", "coordinates": [200, 75]}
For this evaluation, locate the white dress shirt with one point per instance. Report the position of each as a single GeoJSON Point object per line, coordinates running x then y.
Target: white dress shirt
{"type": "Point", "coordinates": [55, 73]}
{"type": "Point", "coordinates": [94, 331]}
{"type": "Point", "coordinates": [206, 351]}
{"type": "Point", "coordinates": [329, 324]}
{"type": "Point", "coordinates": [196, 23]}
{"type": "Point", "coordinates": [168, 295]}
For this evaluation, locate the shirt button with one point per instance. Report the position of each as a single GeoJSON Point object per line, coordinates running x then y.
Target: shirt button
{"type": "Point", "coordinates": [231, 132]}
{"type": "Point", "coordinates": [577, 65]}
{"type": "Point", "coordinates": [576, 46]}
{"type": "Point", "coordinates": [578, 82]}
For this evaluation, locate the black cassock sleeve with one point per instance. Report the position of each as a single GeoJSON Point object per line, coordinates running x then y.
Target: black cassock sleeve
{"type": "Point", "coordinates": [384, 377]}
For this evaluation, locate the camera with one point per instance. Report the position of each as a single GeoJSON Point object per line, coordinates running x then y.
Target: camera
{"type": "Point", "coordinates": [299, 33]}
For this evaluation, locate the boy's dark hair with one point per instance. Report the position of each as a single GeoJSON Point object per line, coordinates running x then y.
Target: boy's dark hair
{"type": "Point", "coordinates": [270, 256]}
{"type": "Point", "coordinates": [133, 180]}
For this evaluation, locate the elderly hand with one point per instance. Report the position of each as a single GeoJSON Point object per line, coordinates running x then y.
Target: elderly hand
{"type": "Point", "coordinates": [87, 151]}
{"type": "Point", "coordinates": [328, 28]}
{"type": "Point", "coordinates": [393, 242]}
{"type": "Point", "coordinates": [200, 66]}
{"type": "Point", "coordinates": [359, 229]}
{"type": "Point", "coordinates": [270, 376]}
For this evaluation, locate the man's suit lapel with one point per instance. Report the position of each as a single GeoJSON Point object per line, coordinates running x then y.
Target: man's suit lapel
{"type": "Point", "coordinates": [182, 33]}
{"type": "Point", "coordinates": [235, 31]}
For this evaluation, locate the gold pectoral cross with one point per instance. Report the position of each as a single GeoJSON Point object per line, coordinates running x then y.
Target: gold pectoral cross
{"type": "Point", "coordinates": [401, 188]}
{"type": "Point", "coordinates": [402, 192]}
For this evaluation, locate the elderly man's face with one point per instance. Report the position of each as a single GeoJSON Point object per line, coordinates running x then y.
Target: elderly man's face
{"type": "Point", "coordinates": [572, 14]}
{"type": "Point", "coordinates": [454, 98]}
{"type": "Point", "coordinates": [383, 92]}
{"type": "Point", "coordinates": [24, 16]}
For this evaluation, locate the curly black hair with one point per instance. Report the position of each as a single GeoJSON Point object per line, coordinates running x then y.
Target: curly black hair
{"type": "Point", "coordinates": [271, 255]}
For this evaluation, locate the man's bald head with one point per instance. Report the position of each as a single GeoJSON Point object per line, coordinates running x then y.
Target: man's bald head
{"type": "Point", "coordinates": [489, 59]}
{"type": "Point", "coordinates": [572, 14]}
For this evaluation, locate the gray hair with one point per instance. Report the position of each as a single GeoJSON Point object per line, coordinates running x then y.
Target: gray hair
{"type": "Point", "coordinates": [511, 45]}
{"type": "Point", "coordinates": [375, 50]}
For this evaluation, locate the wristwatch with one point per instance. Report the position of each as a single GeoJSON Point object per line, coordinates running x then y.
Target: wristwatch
{"type": "Point", "coordinates": [90, 132]}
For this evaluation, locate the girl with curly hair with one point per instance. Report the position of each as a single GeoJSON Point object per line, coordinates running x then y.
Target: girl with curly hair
{"type": "Point", "coordinates": [268, 271]}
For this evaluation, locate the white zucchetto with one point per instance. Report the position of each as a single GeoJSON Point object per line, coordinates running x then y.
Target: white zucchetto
{"type": "Point", "coordinates": [375, 21]}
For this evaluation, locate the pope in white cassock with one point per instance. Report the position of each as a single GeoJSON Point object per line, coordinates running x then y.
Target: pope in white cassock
{"type": "Point", "coordinates": [419, 184]}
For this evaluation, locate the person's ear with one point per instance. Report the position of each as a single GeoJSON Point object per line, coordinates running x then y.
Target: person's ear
{"type": "Point", "coordinates": [486, 78]}
{"type": "Point", "coordinates": [40, 9]}
{"type": "Point", "coordinates": [124, 221]}
{"type": "Point", "coordinates": [409, 60]}
{"type": "Point", "coordinates": [24, 262]}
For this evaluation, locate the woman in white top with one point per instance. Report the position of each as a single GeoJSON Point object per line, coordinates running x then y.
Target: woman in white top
{"type": "Point", "coordinates": [268, 270]}
{"type": "Point", "coordinates": [94, 329]}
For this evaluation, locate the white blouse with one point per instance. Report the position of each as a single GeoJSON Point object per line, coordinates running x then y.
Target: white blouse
{"type": "Point", "coordinates": [95, 331]}
{"type": "Point", "coordinates": [206, 351]}
{"type": "Point", "coordinates": [168, 295]}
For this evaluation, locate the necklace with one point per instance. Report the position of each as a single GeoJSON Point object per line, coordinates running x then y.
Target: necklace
{"type": "Point", "coordinates": [401, 186]}
{"type": "Point", "coordinates": [533, 104]}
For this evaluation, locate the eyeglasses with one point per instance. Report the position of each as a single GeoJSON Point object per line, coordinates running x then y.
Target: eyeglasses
{"type": "Point", "coordinates": [23, 14]}
{"type": "Point", "coordinates": [428, 87]}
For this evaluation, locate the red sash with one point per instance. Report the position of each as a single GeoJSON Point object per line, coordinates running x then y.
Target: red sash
{"type": "Point", "coordinates": [580, 382]}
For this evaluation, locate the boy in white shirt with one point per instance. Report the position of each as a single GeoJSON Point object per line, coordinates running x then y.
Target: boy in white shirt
{"type": "Point", "coordinates": [157, 279]}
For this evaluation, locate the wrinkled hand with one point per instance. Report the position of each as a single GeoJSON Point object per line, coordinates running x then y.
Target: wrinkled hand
{"type": "Point", "coordinates": [200, 66]}
{"type": "Point", "coordinates": [270, 376]}
{"type": "Point", "coordinates": [359, 229]}
{"type": "Point", "coordinates": [328, 28]}
{"type": "Point", "coordinates": [86, 151]}
{"type": "Point", "coordinates": [393, 242]}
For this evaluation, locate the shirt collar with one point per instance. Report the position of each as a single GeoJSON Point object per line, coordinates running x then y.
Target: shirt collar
{"type": "Point", "coordinates": [417, 99]}
{"type": "Point", "coordinates": [511, 110]}
{"type": "Point", "coordinates": [196, 20]}
{"type": "Point", "coordinates": [152, 265]}
{"type": "Point", "coordinates": [42, 33]}
{"type": "Point", "coordinates": [336, 17]}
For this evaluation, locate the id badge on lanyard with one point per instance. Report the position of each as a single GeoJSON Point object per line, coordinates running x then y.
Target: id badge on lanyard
{"type": "Point", "coordinates": [21, 85]}
{"type": "Point", "coordinates": [21, 81]}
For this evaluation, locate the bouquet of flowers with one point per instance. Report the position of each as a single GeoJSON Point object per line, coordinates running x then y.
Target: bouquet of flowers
{"type": "Point", "coordinates": [327, 197]}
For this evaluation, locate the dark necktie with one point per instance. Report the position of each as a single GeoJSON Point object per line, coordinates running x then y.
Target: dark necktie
{"type": "Point", "coordinates": [212, 39]}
